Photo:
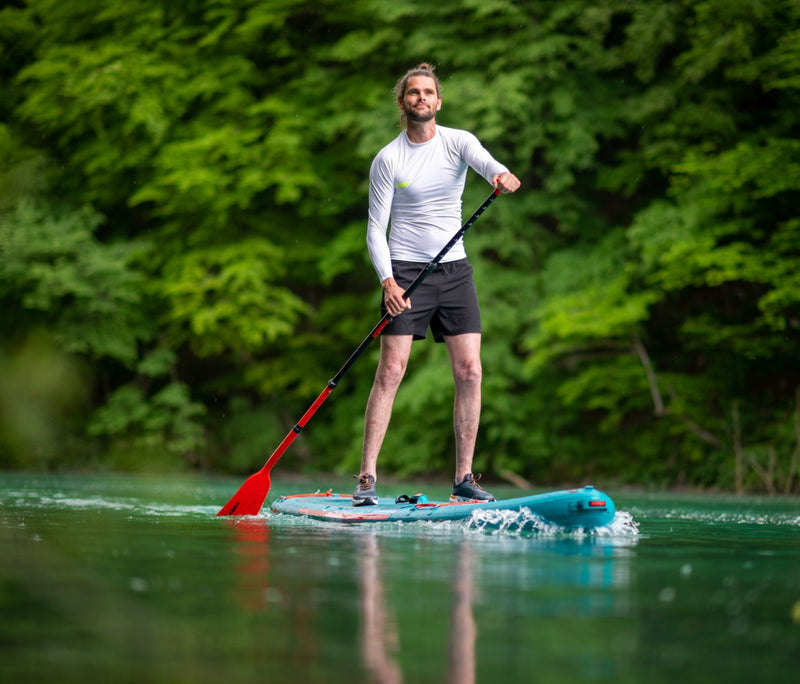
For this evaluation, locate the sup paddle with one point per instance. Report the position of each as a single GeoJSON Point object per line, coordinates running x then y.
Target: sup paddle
{"type": "Point", "coordinates": [251, 495]}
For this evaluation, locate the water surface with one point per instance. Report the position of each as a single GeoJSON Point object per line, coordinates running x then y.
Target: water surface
{"type": "Point", "coordinates": [134, 579]}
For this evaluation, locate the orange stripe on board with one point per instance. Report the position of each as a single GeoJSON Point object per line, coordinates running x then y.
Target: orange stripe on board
{"type": "Point", "coordinates": [347, 517]}
{"type": "Point", "coordinates": [316, 494]}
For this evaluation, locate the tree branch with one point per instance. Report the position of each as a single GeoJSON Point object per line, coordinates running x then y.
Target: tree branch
{"type": "Point", "coordinates": [652, 381]}
{"type": "Point", "coordinates": [737, 449]}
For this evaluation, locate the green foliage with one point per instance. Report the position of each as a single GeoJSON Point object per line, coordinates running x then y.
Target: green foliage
{"type": "Point", "coordinates": [54, 273]}
{"type": "Point", "coordinates": [205, 254]}
{"type": "Point", "coordinates": [226, 300]}
{"type": "Point", "coordinates": [149, 431]}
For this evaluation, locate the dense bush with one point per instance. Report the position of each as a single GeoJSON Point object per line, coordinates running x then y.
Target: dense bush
{"type": "Point", "coordinates": [182, 215]}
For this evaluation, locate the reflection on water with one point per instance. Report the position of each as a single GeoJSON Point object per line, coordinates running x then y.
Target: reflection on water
{"type": "Point", "coordinates": [402, 593]}
{"type": "Point", "coordinates": [252, 563]}
{"type": "Point", "coordinates": [135, 580]}
{"type": "Point", "coordinates": [379, 640]}
{"type": "Point", "coordinates": [463, 631]}
{"type": "Point", "coordinates": [379, 635]}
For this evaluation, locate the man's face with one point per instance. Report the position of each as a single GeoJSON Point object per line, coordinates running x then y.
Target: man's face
{"type": "Point", "coordinates": [420, 101]}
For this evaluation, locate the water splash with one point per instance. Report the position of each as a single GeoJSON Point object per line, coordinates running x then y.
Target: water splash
{"type": "Point", "coordinates": [523, 522]}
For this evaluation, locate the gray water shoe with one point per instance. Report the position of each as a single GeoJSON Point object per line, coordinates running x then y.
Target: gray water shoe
{"type": "Point", "coordinates": [365, 494]}
{"type": "Point", "coordinates": [469, 490]}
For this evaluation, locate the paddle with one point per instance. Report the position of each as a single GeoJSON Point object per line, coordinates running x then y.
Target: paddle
{"type": "Point", "coordinates": [250, 497]}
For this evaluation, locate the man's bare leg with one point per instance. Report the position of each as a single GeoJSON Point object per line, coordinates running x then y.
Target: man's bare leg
{"type": "Point", "coordinates": [465, 356]}
{"type": "Point", "coordinates": [395, 350]}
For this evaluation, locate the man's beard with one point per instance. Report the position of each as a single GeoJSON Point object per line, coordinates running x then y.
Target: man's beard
{"type": "Point", "coordinates": [418, 117]}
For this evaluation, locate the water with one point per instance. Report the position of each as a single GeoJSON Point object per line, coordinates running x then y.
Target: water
{"type": "Point", "coordinates": [112, 578]}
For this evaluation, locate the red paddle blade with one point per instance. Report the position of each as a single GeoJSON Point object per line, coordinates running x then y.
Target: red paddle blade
{"type": "Point", "coordinates": [250, 497]}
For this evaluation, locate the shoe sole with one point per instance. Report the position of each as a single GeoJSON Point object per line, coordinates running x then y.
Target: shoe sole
{"type": "Point", "coordinates": [366, 501]}
{"type": "Point", "coordinates": [456, 499]}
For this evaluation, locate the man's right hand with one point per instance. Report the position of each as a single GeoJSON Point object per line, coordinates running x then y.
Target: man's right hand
{"type": "Point", "coordinates": [393, 297]}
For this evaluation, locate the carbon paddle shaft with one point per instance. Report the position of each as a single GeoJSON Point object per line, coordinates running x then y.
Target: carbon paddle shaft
{"type": "Point", "coordinates": [263, 481]}
{"type": "Point", "coordinates": [378, 329]}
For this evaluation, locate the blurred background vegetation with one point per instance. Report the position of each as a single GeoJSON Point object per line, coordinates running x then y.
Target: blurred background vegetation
{"type": "Point", "coordinates": [183, 191]}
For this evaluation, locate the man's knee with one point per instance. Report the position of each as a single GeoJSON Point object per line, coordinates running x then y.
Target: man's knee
{"type": "Point", "coordinates": [390, 375]}
{"type": "Point", "coordinates": [390, 372]}
{"type": "Point", "coordinates": [468, 372]}
{"type": "Point", "coordinates": [393, 362]}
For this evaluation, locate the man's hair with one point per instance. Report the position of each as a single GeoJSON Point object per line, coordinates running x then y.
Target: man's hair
{"type": "Point", "coordinates": [423, 69]}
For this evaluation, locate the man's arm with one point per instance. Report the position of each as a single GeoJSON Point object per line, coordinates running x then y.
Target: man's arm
{"type": "Point", "coordinates": [381, 193]}
{"type": "Point", "coordinates": [478, 157]}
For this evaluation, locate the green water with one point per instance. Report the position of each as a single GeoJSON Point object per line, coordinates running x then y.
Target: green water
{"type": "Point", "coordinates": [124, 579]}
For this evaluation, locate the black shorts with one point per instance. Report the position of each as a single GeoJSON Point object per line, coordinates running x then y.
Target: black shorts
{"type": "Point", "coordinates": [446, 300]}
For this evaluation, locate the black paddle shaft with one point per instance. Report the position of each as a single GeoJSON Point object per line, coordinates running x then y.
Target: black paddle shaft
{"type": "Point", "coordinates": [429, 267]}
{"type": "Point", "coordinates": [374, 333]}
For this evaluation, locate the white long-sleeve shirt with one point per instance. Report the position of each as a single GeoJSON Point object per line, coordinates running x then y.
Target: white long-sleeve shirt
{"type": "Point", "coordinates": [419, 185]}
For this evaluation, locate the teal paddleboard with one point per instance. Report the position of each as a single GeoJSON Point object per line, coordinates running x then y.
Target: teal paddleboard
{"type": "Point", "coordinates": [585, 508]}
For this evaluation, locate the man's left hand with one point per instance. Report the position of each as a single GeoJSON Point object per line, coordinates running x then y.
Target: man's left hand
{"type": "Point", "coordinates": [506, 182]}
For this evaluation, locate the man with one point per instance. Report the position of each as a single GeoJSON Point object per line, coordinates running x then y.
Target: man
{"type": "Point", "coordinates": [417, 180]}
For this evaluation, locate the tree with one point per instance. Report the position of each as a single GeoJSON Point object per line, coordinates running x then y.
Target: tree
{"type": "Point", "coordinates": [205, 258]}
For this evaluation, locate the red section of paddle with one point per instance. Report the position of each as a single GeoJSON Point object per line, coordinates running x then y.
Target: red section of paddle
{"type": "Point", "coordinates": [250, 497]}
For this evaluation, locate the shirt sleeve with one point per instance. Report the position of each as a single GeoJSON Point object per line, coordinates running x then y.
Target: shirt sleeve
{"type": "Point", "coordinates": [478, 157]}
{"type": "Point", "coordinates": [381, 192]}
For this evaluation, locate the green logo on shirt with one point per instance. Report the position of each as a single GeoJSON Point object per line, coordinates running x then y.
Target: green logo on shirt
{"type": "Point", "coordinates": [402, 185]}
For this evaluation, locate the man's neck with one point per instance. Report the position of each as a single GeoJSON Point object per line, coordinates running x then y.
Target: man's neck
{"type": "Point", "coordinates": [420, 132]}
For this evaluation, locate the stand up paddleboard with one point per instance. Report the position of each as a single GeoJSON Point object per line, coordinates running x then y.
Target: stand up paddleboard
{"type": "Point", "coordinates": [585, 508]}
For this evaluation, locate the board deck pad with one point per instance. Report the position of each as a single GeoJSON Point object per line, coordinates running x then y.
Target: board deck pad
{"type": "Point", "coordinates": [584, 508]}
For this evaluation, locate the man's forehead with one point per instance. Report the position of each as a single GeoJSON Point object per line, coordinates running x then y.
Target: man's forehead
{"type": "Point", "coordinates": [421, 83]}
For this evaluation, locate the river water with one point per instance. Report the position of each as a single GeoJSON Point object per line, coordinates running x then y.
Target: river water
{"type": "Point", "coordinates": [134, 579]}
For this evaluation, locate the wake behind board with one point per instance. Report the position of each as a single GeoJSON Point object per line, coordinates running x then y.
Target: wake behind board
{"type": "Point", "coordinates": [585, 508]}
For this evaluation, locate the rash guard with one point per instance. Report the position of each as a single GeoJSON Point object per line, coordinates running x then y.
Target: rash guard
{"type": "Point", "coordinates": [419, 185]}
